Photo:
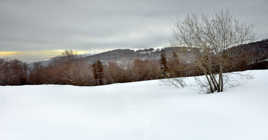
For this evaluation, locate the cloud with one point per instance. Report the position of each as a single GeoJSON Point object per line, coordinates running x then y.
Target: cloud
{"type": "Point", "coordinates": [85, 24]}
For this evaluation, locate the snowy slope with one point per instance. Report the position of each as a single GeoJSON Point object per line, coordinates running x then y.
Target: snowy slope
{"type": "Point", "coordinates": [135, 111]}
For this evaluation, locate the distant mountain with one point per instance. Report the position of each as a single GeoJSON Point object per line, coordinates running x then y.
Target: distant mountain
{"type": "Point", "coordinates": [257, 50]}
{"type": "Point", "coordinates": [128, 55]}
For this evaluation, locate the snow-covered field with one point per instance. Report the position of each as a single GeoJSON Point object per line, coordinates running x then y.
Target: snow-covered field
{"type": "Point", "coordinates": [135, 111]}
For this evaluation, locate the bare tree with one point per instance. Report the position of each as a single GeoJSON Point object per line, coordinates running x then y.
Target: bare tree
{"type": "Point", "coordinates": [98, 72]}
{"type": "Point", "coordinates": [163, 65]}
{"type": "Point", "coordinates": [213, 35]}
{"type": "Point", "coordinates": [69, 54]}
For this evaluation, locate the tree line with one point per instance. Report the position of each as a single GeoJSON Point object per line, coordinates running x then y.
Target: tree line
{"type": "Point", "coordinates": [69, 69]}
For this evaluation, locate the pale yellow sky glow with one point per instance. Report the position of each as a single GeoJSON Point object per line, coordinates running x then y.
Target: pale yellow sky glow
{"type": "Point", "coordinates": [8, 53]}
{"type": "Point", "coordinates": [30, 56]}
{"type": "Point", "coordinates": [33, 56]}
{"type": "Point", "coordinates": [45, 52]}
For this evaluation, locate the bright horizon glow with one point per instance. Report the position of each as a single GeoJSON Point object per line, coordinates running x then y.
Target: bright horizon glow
{"type": "Point", "coordinates": [41, 55]}
{"type": "Point", "coordinates": [8, 53]}
{"type": "Point", "coordinates": [38, 55]}
{"type": "Point", "coordinates": [42, 52]}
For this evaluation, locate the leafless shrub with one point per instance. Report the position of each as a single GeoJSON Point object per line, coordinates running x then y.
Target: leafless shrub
{"type": "Point", "coordinates": [213, 35]}
{"type": "Point", "coordinates": [233, 79]}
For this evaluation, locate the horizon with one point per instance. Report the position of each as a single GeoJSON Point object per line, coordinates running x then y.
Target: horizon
{"type": "Point", "coordinates": [36, 56]}
{"type": "Point", "coordinates": [45, 55]}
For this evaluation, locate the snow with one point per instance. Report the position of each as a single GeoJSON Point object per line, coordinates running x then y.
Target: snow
{"type": "Point", "coordinates": [147, 110]}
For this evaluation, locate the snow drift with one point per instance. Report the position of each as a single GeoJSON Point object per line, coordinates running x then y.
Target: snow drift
{"type": "Point", "coordinates": [146, 110]}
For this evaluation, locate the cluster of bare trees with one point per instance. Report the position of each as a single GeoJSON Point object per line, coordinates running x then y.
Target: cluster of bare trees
{"type": "Point", "coordinates": [66, 69]}
{"type": "Point", "coordinates": [13, 72]}
{"type": "Point", "coordinates": [70, 69]}
{"type": "Point", "coordinates": [81, 73]}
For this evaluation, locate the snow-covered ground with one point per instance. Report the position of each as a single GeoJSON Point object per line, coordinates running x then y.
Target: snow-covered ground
{"type": "Point", "coordinates": [135, 111]}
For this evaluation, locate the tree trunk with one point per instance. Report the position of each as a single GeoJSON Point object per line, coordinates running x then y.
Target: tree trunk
{"type": "Point", "coordinates": [221, 79]}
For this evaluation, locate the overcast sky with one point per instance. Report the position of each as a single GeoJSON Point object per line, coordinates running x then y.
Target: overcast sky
{"type": "Point", "coordinates": [37, 25]}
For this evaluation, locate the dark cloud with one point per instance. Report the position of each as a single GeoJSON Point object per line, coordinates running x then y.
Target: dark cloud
{"type": "Point", "coordinates": [85, 24]}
